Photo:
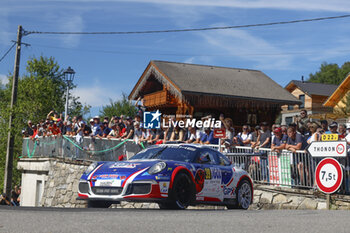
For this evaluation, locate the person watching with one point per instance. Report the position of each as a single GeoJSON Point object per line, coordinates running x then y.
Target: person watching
{"type": "Point", "coordinates": [279, 140]}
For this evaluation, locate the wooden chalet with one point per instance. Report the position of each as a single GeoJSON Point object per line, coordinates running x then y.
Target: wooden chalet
{"type": "Point", "coordinates": [246, 96]}
{"type": "Point", "coordinates": [312, 96]}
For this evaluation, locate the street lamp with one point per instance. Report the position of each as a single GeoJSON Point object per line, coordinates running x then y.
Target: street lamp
{"type": "Point", "coordinates": [68, 77]}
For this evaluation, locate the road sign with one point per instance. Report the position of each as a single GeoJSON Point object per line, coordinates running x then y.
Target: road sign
{"type": "Point", "coordinates": [329, 137]}
{"type": "Point", "coordinates": [219, 133]}
{"type": "Point", "coordinates": [329, 175]}
{"type": "Point", "coordinates": [328, 149]}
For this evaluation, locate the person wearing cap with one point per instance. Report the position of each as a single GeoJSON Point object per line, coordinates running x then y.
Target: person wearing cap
{"type": "Point", "coordinates": [96, 129]}
{"type": "Point", "coordinates": [333, 128]}
{"type": "Point", "coordinates": [279, 140]}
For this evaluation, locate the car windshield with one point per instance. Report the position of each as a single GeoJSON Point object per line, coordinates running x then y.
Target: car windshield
{"type": "Point", "coordinates": [184, 154]}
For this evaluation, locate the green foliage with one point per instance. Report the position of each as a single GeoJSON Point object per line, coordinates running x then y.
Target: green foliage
{"type": "Point", "coordinates": [330, 73]}
{"type": "Point", "coordinates": [40, 90]}
{"type": "Point", "coordinates": [119, 107]}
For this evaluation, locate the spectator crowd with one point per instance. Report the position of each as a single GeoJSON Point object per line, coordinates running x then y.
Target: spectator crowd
{"type": "Point", "coordinates": [292, 137]}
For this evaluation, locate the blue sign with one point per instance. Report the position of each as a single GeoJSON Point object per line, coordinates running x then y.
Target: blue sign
{"type": "Point", "coordinates": [151, 120]}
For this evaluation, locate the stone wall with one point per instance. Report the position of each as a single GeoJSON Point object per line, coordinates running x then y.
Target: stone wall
{"type": "Point", "coordinates": [61, 188]}
{"type": "Point", "coordinates": [270, 197]}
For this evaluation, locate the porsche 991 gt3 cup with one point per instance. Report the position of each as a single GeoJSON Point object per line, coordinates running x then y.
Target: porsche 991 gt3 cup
{"type": "Point", "coordinates": [174, 176]}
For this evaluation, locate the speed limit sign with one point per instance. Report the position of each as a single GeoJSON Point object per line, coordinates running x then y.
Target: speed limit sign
{"type": "Point", "coordinates": [329, 175]}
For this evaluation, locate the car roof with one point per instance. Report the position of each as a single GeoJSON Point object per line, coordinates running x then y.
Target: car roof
{"type": "Point", "coordinates": [196, 146]}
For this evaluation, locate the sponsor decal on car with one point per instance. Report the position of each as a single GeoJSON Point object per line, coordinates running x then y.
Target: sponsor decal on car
{"type": "Point", "coordinates": [108, 183]}
{"type": "Point", "coordinates": [124, 165]}
{"type": "Point", "coordinates": [228, 191]}
{"type": "Point", "coordinates": [164, 187]}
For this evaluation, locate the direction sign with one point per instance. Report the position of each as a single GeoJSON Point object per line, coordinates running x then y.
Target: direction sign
{"type": "Point", "coordinates": [219, 133]}
{"type": "Point", "coordinates": [329, 175]}
{"type": "Point", "coordinates": [328, 149]}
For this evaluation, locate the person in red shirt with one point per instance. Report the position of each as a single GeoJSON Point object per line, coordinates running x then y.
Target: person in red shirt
{"type": "Point", "coordinates": [53, 129]}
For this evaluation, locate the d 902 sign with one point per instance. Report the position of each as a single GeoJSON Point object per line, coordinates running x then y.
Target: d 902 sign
{"type": "Point", "coordinates": [329, 175]}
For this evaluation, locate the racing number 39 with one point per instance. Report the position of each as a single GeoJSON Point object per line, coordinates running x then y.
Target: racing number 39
{"type": "Point", "coordinates": [207, 173]}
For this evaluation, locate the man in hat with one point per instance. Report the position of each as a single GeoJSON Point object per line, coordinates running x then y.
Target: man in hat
{"type": "Point", "coordinates": [333, 128]}
{"type": "Point", "coordinates": [279, 140]}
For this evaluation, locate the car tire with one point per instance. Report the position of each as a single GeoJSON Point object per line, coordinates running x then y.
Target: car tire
{"type": "Point", "coordinates": [243, 196]}
{"type": "Point", "coordinates": [182, 193]}
{"type": "Point", "coordinates": [99, 204]}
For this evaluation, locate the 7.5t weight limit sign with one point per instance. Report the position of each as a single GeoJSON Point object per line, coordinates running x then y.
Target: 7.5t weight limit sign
{"type": "Point", "coordinates": [329, 175]}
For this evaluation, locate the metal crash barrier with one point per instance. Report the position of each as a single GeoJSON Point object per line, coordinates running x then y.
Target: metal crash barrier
{"type": "Point", "coordinates": [84, 148]}
{"type": "Point", "coordinates": [285, 168]}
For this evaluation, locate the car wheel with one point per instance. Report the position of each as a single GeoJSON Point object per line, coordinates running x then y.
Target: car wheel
{"type": "Point", "coordinates": [243, 196]}
{"type": "Point", "coordinates": [99, 204]}
{"type": "Point", "coordinates": [181, 195]}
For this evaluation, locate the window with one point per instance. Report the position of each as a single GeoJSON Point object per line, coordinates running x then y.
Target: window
{"type": "Point", "coordinates": [289, 120]}
{"type": "Point", "coordinates": [302, 99]}
{"type": "Point", "coordinates": [223, 161]}
{"type": "Point", "coordinates": [290, 107]}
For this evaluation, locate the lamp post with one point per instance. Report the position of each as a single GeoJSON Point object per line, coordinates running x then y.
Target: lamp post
{"type": "Point", "coordinates": [68, 77]}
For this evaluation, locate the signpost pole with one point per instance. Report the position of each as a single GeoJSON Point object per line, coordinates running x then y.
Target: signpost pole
{"type": "Point", "coordinates": [328, 202]}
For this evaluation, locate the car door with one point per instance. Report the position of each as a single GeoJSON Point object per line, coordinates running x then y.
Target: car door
{"type": "Point", "coordinates": [208, 177]}
{"type": "Point", "coordinates": [227, 175]}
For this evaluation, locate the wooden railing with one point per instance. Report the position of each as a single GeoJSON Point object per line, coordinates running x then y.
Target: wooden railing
{"type": "Point", "coordinates": [156, 98]}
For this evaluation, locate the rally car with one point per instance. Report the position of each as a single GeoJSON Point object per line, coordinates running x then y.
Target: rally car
{"type": "Point", "coordinates": [174, 176]}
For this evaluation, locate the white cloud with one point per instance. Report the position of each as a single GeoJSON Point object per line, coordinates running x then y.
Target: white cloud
{"type": "Point", "coordinates": [96, 95]}
{"type": "Point", "coordinates": [3, 79]}
{"type": "Point", "coordinates": [70, 23]}
{"type": "Point", "coordinates": [309, 5]}
{"type": "Point", "coordinates": [243, 45]}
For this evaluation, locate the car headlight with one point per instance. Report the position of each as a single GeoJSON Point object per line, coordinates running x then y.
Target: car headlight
{"type": "Point", "coordinates": [158, 167]}
{"type": "Point", "coordinates": [90, 168]}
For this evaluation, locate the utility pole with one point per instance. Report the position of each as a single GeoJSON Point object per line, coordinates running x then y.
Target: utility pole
{"type": "Point", "coordinates": [11, 135]}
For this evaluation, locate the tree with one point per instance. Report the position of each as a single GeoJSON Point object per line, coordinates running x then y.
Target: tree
{"type": "Point", "coordinates": [40, 90]}
{"type": "Point", "coordinates": [119, 107]}
{"type": "Point", "coordinates": [330, 73]}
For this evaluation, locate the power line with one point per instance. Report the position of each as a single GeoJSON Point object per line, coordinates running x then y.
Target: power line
{"type": "Point", "coordinates": [194, 29]}
{"type": "Point", "coordinates": [2, 58]}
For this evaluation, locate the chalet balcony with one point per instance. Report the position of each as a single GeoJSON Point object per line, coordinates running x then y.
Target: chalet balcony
{"type": "Point", "coordinates": [159, 98]}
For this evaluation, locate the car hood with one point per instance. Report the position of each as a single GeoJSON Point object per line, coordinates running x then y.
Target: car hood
{"type": "Point", "coordinates": [124, 167]}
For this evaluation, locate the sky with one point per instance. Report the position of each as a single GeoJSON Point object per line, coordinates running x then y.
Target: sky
{"type": "Point", "coordinates": [108, 65]}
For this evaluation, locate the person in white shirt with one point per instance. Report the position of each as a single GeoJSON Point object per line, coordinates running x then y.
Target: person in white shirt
{"type": "Point", "coordinates": [195, 135]}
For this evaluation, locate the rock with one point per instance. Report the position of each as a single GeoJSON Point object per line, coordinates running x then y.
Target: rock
{"type": "Point", "coordinates": [279, 198]}
{"type": "Point", "coordinates": [258, 192]}
{"type": "Point", "coordinates": [287, 206]}
{"type": "Point", "coordinates": [266, 198]}
{"type": "Point", "coordinates": [308, 204]}
{"type": "Point", "coordinates": [322, 205]}
{"type": "Point", "coordinates": [138, 205]}
{"type": "Point", "coordinates": [294, 200]}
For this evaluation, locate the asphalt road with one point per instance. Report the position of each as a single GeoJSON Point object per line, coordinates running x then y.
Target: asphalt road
{"type": "Point", "coordinates": [153, 220]}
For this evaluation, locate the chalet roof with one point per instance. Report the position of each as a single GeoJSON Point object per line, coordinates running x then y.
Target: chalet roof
{"type": "Point", "coordinates": [338, 93]}
{"type": "Point", "coordinates": [233, 82]}
{"type": "Point", "coordinates": [311, 88]}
